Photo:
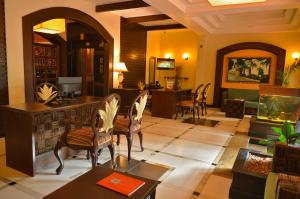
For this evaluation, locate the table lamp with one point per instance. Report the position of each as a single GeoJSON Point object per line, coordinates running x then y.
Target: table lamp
{"type": "Point", "coordinates": [120, 68]}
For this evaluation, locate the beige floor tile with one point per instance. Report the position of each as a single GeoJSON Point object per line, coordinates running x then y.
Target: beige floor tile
{"type": "Point", "coordinates": [186, 174]}
{"type": "Point", "coordinates": [164, 191]}
{"type": "Point", "coordinates": [223, 184]}
{"type": "Point", "coordinates": [11, 192]}
{"type": "Point", "coordinates": [193, 150]}
{"type": "Point", "coordinates": [166, 130]}
{"type": "Point", "coordinates": [206, 137]}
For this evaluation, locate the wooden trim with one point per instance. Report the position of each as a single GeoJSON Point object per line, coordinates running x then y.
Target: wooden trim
{"type": "Point", "coordinates": [279, 52]}
{"type": "Point", "coordinates": [121, 6]}
{"type": "Point", "coordinates": [165, 27]}
{"type": "Point", "coordinates": [146, 18]}
{"type": "Point", "coordinates": [278, 90]}
{"type": "Point", "coordinates": [3, 62]}
{"type": "Point", "coordinates": [59, 12]}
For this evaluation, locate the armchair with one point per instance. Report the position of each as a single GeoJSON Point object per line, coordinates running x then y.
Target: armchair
{"type": "Point", "coordinates": [95, 137]}
{"type": "Point", "coordinates": [284, 181]}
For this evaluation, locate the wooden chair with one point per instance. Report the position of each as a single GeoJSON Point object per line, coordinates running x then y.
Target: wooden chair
{"type": "Point", "coordinates": [191, 104]}
{"type": "Point", "coordinates": [130, 125]}
{"type": "Point", "coordinates": [95, 137]}
{"type": "Point", "coordinates": [203, 98]}
{"type": "Point", "coordinates": [46, 92]}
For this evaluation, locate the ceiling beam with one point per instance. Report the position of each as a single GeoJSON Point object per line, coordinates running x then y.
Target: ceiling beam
{"type": "Point", "coordinates": [146, 18]}
{"type": "Point", "coordinates": [121, 6]}
{"type": "Point", "coordinates": [165, 27]}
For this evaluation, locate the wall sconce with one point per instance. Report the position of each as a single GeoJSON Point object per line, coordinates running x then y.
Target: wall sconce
{"type": "Point", "coordinates": [168, 55]}
{"type": "Point", "coordinates": [296, 55]}
{"type": "Point", "coordinates": [185, 56]}
{"type": "Point", "coordinates": [120, 68]}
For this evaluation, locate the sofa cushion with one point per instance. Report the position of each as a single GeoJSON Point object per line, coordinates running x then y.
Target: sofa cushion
{"type": "Point", "coordinates": [247, 95]}
{"type": "Point", "coordinates": [251, 104]}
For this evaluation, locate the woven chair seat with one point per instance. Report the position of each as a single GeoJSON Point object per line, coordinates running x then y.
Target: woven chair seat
{"type": "Point", "coordinates": [122, 124]}
{"type": "Point", "coordinates": [84, 137]}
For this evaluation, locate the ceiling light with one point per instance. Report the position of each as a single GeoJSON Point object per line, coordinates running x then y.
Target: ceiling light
{"type": "Point", "coordinates": [230, 2]}
{"type": "Point", "coordinates": [53, 26]}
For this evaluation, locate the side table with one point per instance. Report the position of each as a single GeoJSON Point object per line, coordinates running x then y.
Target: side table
{"type": "Point", "coordinates": [235, 108]}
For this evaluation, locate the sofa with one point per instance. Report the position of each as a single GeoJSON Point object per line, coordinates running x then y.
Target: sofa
{"type": "Point", "coordinates": [251, 98]}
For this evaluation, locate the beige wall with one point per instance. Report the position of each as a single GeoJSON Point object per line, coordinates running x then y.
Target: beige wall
{"type": "Point", "coordinates": [175, 42]}
{"type": "Point", "coordinates": [15, 9]}
{"type": "Point", "coordinates": [211, 43]}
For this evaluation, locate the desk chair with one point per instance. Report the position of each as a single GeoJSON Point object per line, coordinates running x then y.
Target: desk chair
{"type": "Point", "coordinates": [95, 137]}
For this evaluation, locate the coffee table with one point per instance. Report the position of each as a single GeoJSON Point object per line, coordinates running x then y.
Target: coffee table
{"type": "Point", "coordinates": [85, 187]}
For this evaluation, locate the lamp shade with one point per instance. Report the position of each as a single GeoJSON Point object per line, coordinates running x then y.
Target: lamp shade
{"type": "Point", "coordinates": [120, 67]}
{"type": "Point", "coordinates": [53, 26]}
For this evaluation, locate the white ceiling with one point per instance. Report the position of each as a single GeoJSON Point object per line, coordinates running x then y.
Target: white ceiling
{"type": "Point", "coordinates": [201, 17]}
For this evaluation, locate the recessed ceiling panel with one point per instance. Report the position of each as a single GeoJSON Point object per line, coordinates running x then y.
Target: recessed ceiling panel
{"type": "Point", "coordinates": [230, 2]}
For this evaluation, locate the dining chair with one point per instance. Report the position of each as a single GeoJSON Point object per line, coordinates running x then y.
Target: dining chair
{"type": "Point", "coordinates": [131, 125]}
{"type": "Point", "coordinates": [203, 98]}
{"type": "Point", "coordinates": [96, 136]}
{"type": "Point", "coordinates": [191, 104]}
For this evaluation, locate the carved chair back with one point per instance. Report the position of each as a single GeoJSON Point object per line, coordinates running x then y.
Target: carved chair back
{"type": "Point", "coordinates": [205, 91]}
{"type": "Point", "coordinates": [104, 116]}
{"type": "Point", "coordinates": [137, 108]}
{"type": "Point", "coordinates": [45, 92]}
{"type": "Point", "coordinates": [198, 93]}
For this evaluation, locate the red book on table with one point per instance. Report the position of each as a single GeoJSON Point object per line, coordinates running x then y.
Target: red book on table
{"type": "Point", "coordinates": [121, 183]}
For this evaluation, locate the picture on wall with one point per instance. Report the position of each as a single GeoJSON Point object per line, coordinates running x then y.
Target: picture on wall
{"type": "Point", "coordinates": [249, 69]}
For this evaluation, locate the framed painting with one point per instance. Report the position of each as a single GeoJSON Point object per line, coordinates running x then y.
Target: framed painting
{"type": "Point", "coordinates": [249, 69]}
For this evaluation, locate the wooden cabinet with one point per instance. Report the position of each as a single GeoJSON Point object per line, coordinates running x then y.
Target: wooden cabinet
{"type": "Point", "coordinates": [46, 63]}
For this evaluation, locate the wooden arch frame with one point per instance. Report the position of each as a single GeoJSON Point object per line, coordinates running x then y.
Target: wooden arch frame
{"type": "Point", "coordinates": [39, 16]}
{"type": "Point", "coordinates": [279, 52]}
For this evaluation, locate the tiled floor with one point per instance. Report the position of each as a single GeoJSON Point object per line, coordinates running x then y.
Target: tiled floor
{"type": "Point", "coordinates": [191, 151]}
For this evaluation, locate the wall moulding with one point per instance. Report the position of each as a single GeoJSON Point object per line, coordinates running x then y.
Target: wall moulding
{"type": "Point", "coordinates": [221, 53]}
{"type": "Point", "coordinates": [39, 16]}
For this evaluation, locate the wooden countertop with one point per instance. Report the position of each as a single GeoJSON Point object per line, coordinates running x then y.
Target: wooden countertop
{"type": "Point", "coordinates": [39, 107]}
{"type": "Point", "coordinates": [169, 90]}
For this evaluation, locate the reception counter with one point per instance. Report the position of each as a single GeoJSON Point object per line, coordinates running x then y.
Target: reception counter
{"type": "Point", "coordinates": [31, 130]}
{"type": "Point", "coordinates": [164, 101]}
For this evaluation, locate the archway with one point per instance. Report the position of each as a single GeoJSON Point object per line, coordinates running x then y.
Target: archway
{"type": "Point", "coordinates": [39, 16]}
{"type": "Point", "coordinates": [279, 52]}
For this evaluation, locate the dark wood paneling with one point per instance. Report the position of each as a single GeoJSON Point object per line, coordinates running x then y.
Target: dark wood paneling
{"type": "Point", "coordinates": [121, 6]}
{"type": "Point", "coordinates": [165, 27]}
{"type": "Point", "coordinates": [279, 52]}
{"type": "Point", "coordinates": [133, 53]}
{"type": "Point", "coordinates": [146, 18]}
{"type": "Point", "coordinates": [3, 63]}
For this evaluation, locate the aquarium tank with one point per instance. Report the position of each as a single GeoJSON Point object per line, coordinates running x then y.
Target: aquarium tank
{"type": "Point", "coordinates": [277, 108]}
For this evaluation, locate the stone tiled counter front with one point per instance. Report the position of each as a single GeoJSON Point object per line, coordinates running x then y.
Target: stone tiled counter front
{"type": "Point", "coordinates": [31, 130]}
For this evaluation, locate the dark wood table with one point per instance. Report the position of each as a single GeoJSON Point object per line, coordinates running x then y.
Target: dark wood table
{"type": "Point", "coordinates": [85, 187]}
{"type": "Point", "coordinates": [164, 101]}
{"type": "Point", "coordinates": [31, 130]}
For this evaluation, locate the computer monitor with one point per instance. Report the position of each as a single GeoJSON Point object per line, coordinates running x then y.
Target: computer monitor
{"type": "Point", "coordinates": [70, 86]}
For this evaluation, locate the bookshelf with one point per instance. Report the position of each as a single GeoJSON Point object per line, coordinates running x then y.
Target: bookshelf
{"type": "Point", "coordinates": [46, 63]}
